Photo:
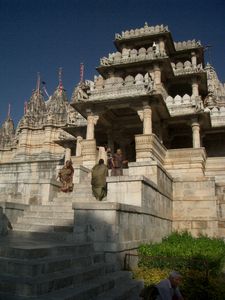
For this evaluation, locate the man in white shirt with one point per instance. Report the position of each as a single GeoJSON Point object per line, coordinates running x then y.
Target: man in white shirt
{"type": "Point", "coordinates": [168, 288]}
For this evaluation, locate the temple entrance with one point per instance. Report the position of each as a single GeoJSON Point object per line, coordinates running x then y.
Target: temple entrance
{"type": "Point", "coordinates": [116, 128]}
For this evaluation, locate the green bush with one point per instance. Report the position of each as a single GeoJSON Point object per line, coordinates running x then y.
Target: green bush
{"type": "Point", "coordinates": [182, 251]}
{"type": "Point", "coordinates": [200, 261]}
{"type": "Point", "coordinates": [194, 284]}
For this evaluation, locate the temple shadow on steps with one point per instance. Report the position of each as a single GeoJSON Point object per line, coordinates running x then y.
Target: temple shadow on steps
{"type": "Point", "coordinates": [60, 262]}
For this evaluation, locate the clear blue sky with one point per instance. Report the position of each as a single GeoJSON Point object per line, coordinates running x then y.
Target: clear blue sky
{"type": "Point", "coordinates": [42, 35]}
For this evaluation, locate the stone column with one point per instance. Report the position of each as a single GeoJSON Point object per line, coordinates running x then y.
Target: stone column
{"type": "Point", "coordinates": [67, 154]}
{"type": "Point", "coordinates": [196, 133]}
{"type": "Point", "coordinates": [146, 116]}
{"type": "Point", "coordinates": [195, 91]}
{"type": "Point", "coordinates": [110, 140]}
{"type": "Point", "coordinates": [193, 59]}
{"type": "Point", "coordinates": [161, 46]}
{"type": "Point", "coordinates": [78, 146]}
{"type": "Point", "coordinates": [157, 75]}
{"type": "Point", "coordinates": [91, 121]}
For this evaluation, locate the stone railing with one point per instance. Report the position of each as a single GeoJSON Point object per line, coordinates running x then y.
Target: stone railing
{"type": "Point", "coordinates": [217, 115]}
{"type": "Point", "coordinates": [184, 105]}
{"type": "Point", "coordinates": [186, 68]}
{"type": "Point", "coordinates": [133, 55]}
{"type": "Point", "coordinates": [115, 87]}
{"type": "Point", "coordinates": [146, 30]}
{"type": "Point", "coordinates": [187, 44]}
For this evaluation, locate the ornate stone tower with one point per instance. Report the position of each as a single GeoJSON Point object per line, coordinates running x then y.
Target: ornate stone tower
{"type": "Point", "coordinates": [158, 101]}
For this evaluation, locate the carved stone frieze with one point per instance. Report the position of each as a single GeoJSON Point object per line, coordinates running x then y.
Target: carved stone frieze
{"type": "Point", "coordinates": [81, 91]}
{"type": "Point", "coordinates": [186, 68]}
{"type": "Point", "coordinates": [132, 56]}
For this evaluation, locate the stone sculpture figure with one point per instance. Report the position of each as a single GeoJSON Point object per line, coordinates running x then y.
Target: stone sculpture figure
{"type": "Point", "coordinates": [80, 92]}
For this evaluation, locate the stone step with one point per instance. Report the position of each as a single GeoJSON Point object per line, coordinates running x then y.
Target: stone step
{"type": "Point", "coordinates": [50, 214]}
{"type": "Point", "coordinates": [53, 207]}
{"type": "Point", "coordinates": [90, 289]}
{"type": "Point", "coordinates": [42, 228]}
{"type": "Point", "coordinates": [40, 266]}
{"type": "Point", "coordinates": [42, 249]}
{"type": "Point", "coordinates": [41, 285]}
{"type": "Point", "coordinates": [46, 236]}
{"type": "Point", "coordinates": [45, 221]}
{"type": "Point", "coordinates": [124, 290]}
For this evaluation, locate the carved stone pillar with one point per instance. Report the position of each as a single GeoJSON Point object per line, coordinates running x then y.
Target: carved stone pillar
{"type": "Point", "coordinates": [157, 75]}
{"type": "Point", "coordinates": [91, 122]}
{"type": "Point", "coordinates": [110, 140]}
{"type": "Point", "coordinates": [161, 46]}
{"type": "Point", "coordinates": [193, 59]}
{"type": "Point", "coordinates": [78, 147]}
{"type": "Point", "coordinates": [148, 148]}
{"type": "Point", "coordinates": [146, 116]}
{"type": "Point", "coordinates": [196, 134]}
{"type": "Point", "coordinates": [89, 153]}
{"type": "Point", "coordinates": [195, 91]}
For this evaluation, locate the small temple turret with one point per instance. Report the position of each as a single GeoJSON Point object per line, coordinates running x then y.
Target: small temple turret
{"type": "Point", "coordinates": [7, 134]}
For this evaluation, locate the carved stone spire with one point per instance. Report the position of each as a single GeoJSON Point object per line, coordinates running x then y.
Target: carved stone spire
{"type": "Point", "coordinates": [36, 104]}
{"type": "Point", "coordinates": [57, 106]}
{"type": "Point", "coordinates": [7, 132]}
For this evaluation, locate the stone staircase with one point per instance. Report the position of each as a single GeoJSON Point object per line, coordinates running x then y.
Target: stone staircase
{"type": "Point", "coordinates": [41, 259]}
{"type": "Point", "coordinates": [39, 269]}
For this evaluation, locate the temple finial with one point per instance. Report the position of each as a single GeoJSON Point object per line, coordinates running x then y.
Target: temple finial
{"type": "Point", "coordinates": [44, 88]}
{"type": "Point", "coordinates": [38, 82]}
{"type": "Point", "coordinates": [25, 107]}
{"type": "Point", "coordinates": [60, 80]}
{"type": "Point", "coordinates": [9, 111]}
{"type": "Point", "coordinates": [81, 72]}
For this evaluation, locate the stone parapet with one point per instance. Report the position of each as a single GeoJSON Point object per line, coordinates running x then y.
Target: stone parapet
{"type": "Point", "coordinates": [149, 147]}
{"type": "Point", "coordinates": [195, 206]}
{"type": "Point", "coordinates": [123, 91]}
{"type": "Point", "coordinates": [187, 45]}
{"type": "Point", "coordinates": [185, 162]}
{"type": "Point", "coordinates": [215, 166]}
{"type": "Point", "coordinates": [144, 31]}
{"type": "Point", "coordinates": [140, 191]}
{"type": "Point", "coordinates": [186, 68]}
{"type": "Point", "coordinates": [117, 228]}
{"type": "Point", "coordinates": [132, 56]}
{"type": "Point", "coordinates": [28, 182]}
{"type": "Point", "coordinates": [154, 172]}
{"type": "Point", "coordinates": [183, 105]}
{"type": "Point", "coordinates": [217, 115]}
{"type": "Point", "coordinates": [13, 210]}
{"type": "Point", "coordinates": [80, 173]}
